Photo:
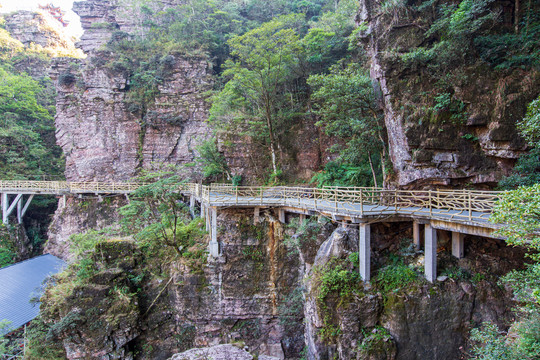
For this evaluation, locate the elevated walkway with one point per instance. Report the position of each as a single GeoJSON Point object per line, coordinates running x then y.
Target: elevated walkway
{"type": "Point", "coordinates": [459, 211]}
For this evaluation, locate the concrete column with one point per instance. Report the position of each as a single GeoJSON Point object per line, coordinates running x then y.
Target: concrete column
{"type": "Point", "coordinates": [458, 245]}
{"type": "Point", "coordinates": [19, 210]}
{"type": "Point", "coordinates": [203, 211]}
{"type": "Point", "coordinates": [256, 215]}
{"type": "Point", "coordinates": [4, 198]}
{"type": "Point", "coordinates": [365, 251]}
{"type": "Point", "coordinates": [430, 251]}
{"type": "Point", "coordinates": [281, 213]}
{"type": "Point", "coordinates": [214, 245]}
{"type": "Point", "coordinates": [302, 218]}
{"type": "Point", "coordinates": [207, 216]}
{"type": "Point", "coordinates": [192, 202]}
{"type": "Point", "coordinates": [416, 235]}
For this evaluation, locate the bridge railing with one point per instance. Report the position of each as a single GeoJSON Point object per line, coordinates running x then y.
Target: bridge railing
{"type": "Point", "coordinates": [461, 204]}
{"type": "Point", "coordinates": [61, 187]}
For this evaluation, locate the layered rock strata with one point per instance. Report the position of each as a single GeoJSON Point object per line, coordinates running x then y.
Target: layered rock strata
{"type": "Point", "coordinates": [428, 147]}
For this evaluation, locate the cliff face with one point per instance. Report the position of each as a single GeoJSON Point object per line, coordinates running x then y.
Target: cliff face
{"type": "Point", "coordinates": [39, 29]}
{"type": "Point", "coordinates": [427, 148]}
{"type": "Point", "coordinates": [279, 290]}
{"type": "Point", "coordinates": [101, 138]}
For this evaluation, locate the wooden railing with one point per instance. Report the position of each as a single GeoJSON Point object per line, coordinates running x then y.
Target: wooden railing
{"type": "Point", "coordinates": [454, 204]}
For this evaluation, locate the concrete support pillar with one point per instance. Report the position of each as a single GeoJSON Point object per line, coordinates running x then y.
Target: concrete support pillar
{"type": "Point", "coordinates": [281, 214]}
{"type": "Point", "coordinates": [64, 199]}
{"type": "Point", "coordinates": [203, 211]}
{"type": "Point", "coordinates": [365, 251]}
{"type": "Point", "coordinates": [208, 219]}
{"type": "Point", "coordinates": [302, 218]}
{"type": "Point", "coordinates": [458, 245]}
{"type": "Point", "coordinates": [256, 215]}
{"type": "Point", "coordinates": [7, 208]}
{"type": "Point", "coordinates": [19, 210]}
{"type": "Point", "coordinates": [430, 251]}
{"type": "Point", "coordinates": [4, 198]}
{"type": "Point", "coordinates": [344, 224]}
{"type": "Point", "coordinates": [214, 245]}
{"type": "Point", "coordinates": [192, 204]}
{"type": "Point", "coordinates": [416, 235]}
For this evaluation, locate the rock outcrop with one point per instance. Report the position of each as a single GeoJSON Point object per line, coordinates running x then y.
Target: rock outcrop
{"type": "Point", "coordinates": [40, 29]}
{"type": "Point", "coordinates": [263, 294]}
{"type": "Point", "coordinates": [428, 149]}
{"type": "Point", "coordinates": [102, 139]}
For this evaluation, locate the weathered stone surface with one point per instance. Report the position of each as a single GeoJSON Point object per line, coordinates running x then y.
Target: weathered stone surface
{"type": "Point", "coordinates": [218, 352]}
{"type": "Point", "coordinates": [40, 29]}
{"type": "Point", "coordinates": [422, 321]}
{"type": "Point", "coordinates": [430, 151]}
{"type": "Point", "coordinates": [78, 214]}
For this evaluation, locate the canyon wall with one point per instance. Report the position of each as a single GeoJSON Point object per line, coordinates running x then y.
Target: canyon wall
{"type": "Point", "coordinates": [428, 148]}
{"type": "Point", "coordinates": [284, 290]}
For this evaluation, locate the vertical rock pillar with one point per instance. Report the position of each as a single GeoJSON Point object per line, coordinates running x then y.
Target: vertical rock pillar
{"type": "Point", "coordinates": [458, 245]}
{"type": "Point", "coordinates": [430, 250]}
{"type": "Point", "coordinates": [416, 235]}
{"type": "Point", "coordinates": [364, 251]}
{"type": "Point", "coordinates": [214, 245]}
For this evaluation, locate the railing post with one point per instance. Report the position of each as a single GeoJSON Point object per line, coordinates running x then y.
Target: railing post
{"type": "Point", "coordinates": [261, 191]}
{"type": "Point", "coordinates": [361, 204]}
{"type": "Point", "coordinates": [430, 205]}
{"type": "Point", "coordinates": [335, 200]}
{"type": "Point", "coordinates": [395, 200]}
{"type": "Point", "coordinates": [470, 206]}
{"type": "Point", "coordinates": [236, 194]}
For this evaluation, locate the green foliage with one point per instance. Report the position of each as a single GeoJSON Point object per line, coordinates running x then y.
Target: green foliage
{"type": "Point", "coordinates": [525, 173]}
{"type": "Point", "coordinates": [336, 173]}
{"type": "Point", "coordinates": [529, 127]}
{"type": "Point", "coordinates": [254, 101]}
{"type": "Point", "coordinates": [291, 308]}
{"type": "Point", "coordinates": [456, 273]}
{"type": "Point", "coordinates": [374, 341]}
{"type": "Point", "coordinates": [6, 257]}
{"type": "Point", "coordinates": [346, 103]}
{"type": "Point", "coordinates": [335, 284]}
{"type": "Point", "coordinates": [493, 345]}
{"type": "Point", "coordinates": [27, 147]}
{"type": "Point", "coordinates": [6, 349]}
{"type": "Point", "coordinates": [518, 211]}
{"type": "Point", "coordinates": [393, 278]}
{"type": "Point", "coordinates": [157, 216]}
{"type": "Point", "coordinates": [39, 345]}
{"type": "Point", "coordinates": [213, 162]}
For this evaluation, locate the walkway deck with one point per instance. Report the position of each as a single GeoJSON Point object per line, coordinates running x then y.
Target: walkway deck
{"type": "Point", "coordinates": [459, 211]}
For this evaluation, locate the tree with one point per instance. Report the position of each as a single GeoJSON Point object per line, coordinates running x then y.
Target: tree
{"type": "Point", "coordinates": [156, 214]}
{"type": "Point", "coordinates": [213, 162]}
{"type": "Point", "coordinates": [347, 106]}
{"type": "Point", "coordinates": [254, 99]}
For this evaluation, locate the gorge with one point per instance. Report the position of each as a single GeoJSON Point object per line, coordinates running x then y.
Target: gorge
{"type": "Point", "coordinates": [412, 95]}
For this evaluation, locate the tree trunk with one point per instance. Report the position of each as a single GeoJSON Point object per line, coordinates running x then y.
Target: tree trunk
{"type": "Point", "coordinates": [372, 170]}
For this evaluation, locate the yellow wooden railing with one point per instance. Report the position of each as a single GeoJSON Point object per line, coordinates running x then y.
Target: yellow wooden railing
{"type": "Point", "coordinates": [458, 204]}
